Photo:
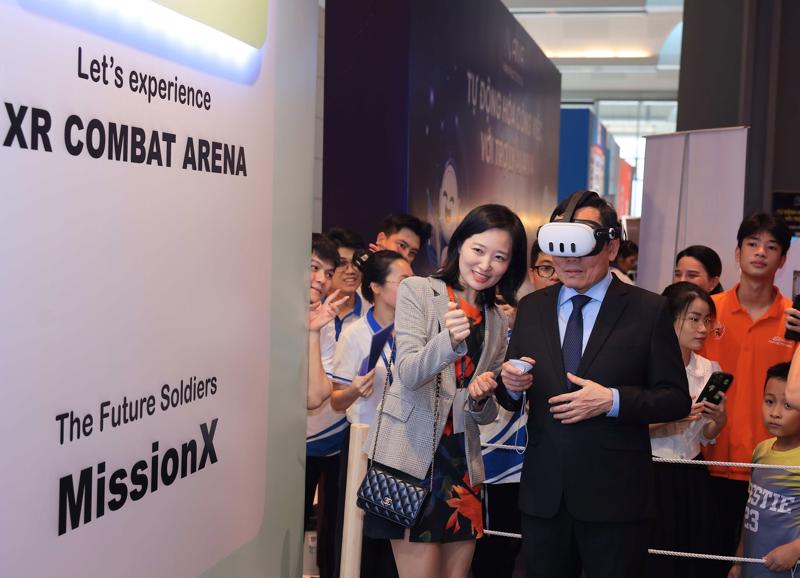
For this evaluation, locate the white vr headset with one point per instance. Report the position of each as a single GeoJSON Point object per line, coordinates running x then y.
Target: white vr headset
{"type": "Point", "coordinates": [575, 238]}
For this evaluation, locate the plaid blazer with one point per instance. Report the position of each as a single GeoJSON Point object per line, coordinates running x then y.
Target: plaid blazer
{"type": "Point", "coordinates": [423, 351]}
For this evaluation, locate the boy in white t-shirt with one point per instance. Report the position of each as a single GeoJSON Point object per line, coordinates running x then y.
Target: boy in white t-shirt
{"type": "Point", "coordinates": [325, 428]}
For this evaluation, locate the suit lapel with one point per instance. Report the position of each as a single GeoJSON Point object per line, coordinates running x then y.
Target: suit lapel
{"type": "Point", "coordinates": [440, 299]}
{"type": "Point", "coordinates": [552, 332]}
{"type": "Point", "coordinates": [611, 309]}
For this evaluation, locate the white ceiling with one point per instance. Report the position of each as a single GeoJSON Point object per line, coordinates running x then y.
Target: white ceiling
{"type": "Point", "coordinates": [608, 48]}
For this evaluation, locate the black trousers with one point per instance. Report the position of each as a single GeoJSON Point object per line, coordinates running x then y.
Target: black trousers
{"type": "Point", "coordinates": [731, 498]}
{"type": "Point", "coordinates": [323, 472]}
{"type": "Point", "coordinates": [563, 547]}
{"type": "Point", "coordinates": [495, 556]}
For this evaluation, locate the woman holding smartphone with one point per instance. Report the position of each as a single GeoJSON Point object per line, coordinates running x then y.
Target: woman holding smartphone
{"type": "Point", "coordinates": [685, 520]}
{"type": "Point", "coordinates": [449, 326]}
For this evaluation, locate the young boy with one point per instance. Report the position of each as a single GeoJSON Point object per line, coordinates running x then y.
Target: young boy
{"type": "Point", "coordinates": [325, 428]}
{"type": "Point", "coordinates": [771, 530]}
{"type": "Point", "coordinates": [747, 340]}
{"type": "Point", "coordinates": [324, 260]}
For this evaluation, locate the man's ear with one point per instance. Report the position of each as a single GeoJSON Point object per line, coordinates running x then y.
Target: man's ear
{"type": "Point", "coordinates": [613, 249]}
{"type": "Point", "coordinates": [381, 238]}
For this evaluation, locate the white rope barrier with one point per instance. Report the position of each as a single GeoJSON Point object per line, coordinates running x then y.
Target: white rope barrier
{"type": "Point", "coordinates": [725, 464]}
{"type": "Point", "coordinates": [742, 465]}
{"type": "Point", "coordinates": [502, 534]}
{"type": "Point", "coordinates": [656, 552]}
{"type": "Point", "coordinates": [707, 556]}
{"type": "Point", "coordinates": [504, 447]}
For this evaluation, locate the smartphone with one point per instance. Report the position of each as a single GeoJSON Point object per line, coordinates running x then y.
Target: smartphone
{"type": "Point", "coordinates": [793, 335]}
{"type": "Point", "coordinates": [719, 382]}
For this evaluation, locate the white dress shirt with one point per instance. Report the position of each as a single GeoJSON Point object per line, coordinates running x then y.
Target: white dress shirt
{"type": "Point", "coordinates": [683, 439]}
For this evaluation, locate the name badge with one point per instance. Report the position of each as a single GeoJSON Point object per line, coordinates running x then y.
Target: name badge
{"type": "Point", "coordinates": [458, 410]}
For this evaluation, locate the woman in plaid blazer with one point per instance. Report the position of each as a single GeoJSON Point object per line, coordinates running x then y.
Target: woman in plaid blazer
{"type": "Point", "coordinates": [448, 325]}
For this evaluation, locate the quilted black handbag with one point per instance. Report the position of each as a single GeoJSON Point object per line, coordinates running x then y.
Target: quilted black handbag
{"type": "Point", "coordinates": [396, 496]}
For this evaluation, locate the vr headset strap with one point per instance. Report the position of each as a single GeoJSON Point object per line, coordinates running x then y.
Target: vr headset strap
{"type": "Point", "coordinates": [575, 201]}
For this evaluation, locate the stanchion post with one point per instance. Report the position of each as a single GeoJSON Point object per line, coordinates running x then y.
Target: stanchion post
{"type": "Point", "coordinates": [353, 515]}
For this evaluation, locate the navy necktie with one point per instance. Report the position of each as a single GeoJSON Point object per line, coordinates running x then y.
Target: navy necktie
{"type": "Point", "coordinates": [572, 348]}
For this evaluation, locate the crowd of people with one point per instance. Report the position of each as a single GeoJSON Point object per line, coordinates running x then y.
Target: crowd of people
{"type": "Point", "coordinates": [615, 379]}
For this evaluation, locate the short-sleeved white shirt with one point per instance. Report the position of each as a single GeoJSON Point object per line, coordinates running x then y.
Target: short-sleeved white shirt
{"type": "Point", "coordinates": [325, 427]}
{"type": "Point", "coordinates": [353, 347]}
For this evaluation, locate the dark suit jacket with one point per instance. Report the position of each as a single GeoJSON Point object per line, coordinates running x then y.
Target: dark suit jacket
{"type": "Point", "coordinates": [602, 466]}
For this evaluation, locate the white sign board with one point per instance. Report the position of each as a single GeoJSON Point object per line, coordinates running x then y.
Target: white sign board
{"type": "Point", "coordinates": [136, 166]}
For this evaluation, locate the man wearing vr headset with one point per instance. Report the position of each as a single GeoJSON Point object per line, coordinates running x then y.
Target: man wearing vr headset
{"type": "Point", "coordinates": [607, 365]}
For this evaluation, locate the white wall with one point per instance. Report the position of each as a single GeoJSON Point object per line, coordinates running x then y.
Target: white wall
{"type": "Point", "coordinates": [693, 195]}
{"type": "Point", "coordinates": [276, 550]}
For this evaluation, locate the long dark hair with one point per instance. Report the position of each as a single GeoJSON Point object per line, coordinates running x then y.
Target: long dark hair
{"type": "Point", "coordinates": [708, 258]}
{"type": "Point", "coordinates": [479, 220]}
{"type": "Point", "coordinates": [375, 268]}
{"type": "Point", "coordinates": [681, 294]}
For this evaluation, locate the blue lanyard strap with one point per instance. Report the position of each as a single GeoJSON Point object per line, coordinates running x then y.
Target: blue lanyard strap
{"type": "Point", "coordinates": [375, 327]}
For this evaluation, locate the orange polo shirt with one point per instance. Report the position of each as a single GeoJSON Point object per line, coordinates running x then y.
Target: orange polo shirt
{"type": "Point", "coordinates": [746, 349]}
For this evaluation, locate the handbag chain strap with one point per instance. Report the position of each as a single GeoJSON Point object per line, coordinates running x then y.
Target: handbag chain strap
{"type": "Point", "coordinates": [387, 383]}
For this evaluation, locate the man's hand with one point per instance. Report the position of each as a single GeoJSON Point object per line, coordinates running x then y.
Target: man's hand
{"type": "Point", "coordinates": [513, 378]}
{"type": "Point", "coordinates": [592, 399]}
{"type": "Point", "coordinates": [792, 319]}
{"type": "Point", "coordinates": [457, 323]}
{"type": "Point", "coordinates": [782, 558]}
{"type": "Point", "coordinates": [482, 386]}
{"type": "Point", "coordinates": [364, 383]}
{"type": "Point", "coordinates": [374, 247]}
{"type": "Point", "coordinates": [320, 314]}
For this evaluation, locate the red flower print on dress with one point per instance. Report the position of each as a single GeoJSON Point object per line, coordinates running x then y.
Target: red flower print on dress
{"type": "Point", "coordinates": [467, 504]}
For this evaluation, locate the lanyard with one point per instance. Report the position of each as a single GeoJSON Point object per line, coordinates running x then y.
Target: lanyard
{"type": "Point", "coordinates": [375, 327]}
{"type": "Point", "coordinates": [463, 380]}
